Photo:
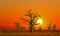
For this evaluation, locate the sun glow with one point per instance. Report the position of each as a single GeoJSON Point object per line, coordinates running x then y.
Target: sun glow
{"type": "Point", "coordinates": [39, 21]}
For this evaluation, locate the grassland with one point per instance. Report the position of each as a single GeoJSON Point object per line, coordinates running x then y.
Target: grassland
{"type": "Point", "coordinates": [29, 34]}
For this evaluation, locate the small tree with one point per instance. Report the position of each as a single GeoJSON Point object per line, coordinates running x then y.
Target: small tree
{"type": "Point", "coordinates": [17, 26]}
{"type": "Point", "coordinates": [49, 26]}
{"type": "Point", "coordinates": [54, 27]}
{"type": "Point", "coordinates": [31, 19]}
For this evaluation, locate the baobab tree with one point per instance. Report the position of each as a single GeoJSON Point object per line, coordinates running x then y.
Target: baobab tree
{"type": "Point", "coordinates": [31, 19]}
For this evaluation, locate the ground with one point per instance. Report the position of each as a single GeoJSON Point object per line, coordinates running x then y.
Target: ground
{"type": "Point", "coordinates": [29, 34]}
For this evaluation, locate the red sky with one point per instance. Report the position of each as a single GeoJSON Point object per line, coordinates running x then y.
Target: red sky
{"type": "Point", "coordinates": [11, 10]}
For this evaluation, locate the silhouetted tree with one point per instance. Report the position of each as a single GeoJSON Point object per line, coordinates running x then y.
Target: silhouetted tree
{"type": "Point", "coordinates": [54, 27]}
{"type": "Point", "coordinates": [49, 26]}
{"type": "Point", "coordinates": [17, 26]}
{"type": "Point", "coordinates": [31, 19]}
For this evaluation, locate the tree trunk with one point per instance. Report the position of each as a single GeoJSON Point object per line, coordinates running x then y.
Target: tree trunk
{"type": "Point", "coordinates": [31, 25]}
{"type": "Point", "coordinates": [30, 28]}
{"type": "Point", "coordinates": [17, 28]}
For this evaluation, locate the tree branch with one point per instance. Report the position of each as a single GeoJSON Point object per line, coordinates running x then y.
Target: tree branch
{"type": "Point", "coordinates": [24, 20]}
{"type": "Point", "coordinates": [29, 13]}
{"type": "Point", "coordinates": [34, 16]}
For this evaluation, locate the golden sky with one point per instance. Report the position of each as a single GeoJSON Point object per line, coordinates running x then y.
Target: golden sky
{"type": "Point", "coordinates": [11, 10]}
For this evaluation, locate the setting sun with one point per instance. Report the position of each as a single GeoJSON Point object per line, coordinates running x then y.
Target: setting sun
{"type": "Point", "coordinates": [39, 21]}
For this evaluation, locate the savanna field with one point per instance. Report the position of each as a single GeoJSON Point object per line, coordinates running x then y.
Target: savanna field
{"type": "Point", "coordinates": [29, 17]}
{"type": "Point", "coordinates": [29, 34]}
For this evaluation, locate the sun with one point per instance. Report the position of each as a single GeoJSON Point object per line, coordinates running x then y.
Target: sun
{"type": "Point", "coordinates": [39, 21]}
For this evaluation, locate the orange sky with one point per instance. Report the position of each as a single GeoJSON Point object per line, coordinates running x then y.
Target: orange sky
{"type": "Point", "coordinates": [11, 10]}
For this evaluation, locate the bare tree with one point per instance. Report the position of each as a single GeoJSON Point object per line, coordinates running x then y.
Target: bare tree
{"type": "Point", "coordinates": [49, 26]}
{"type": "Point", "coordinates": [17, 26]}
{"type": "Point", "coordinates": [31, 19]}
{"type": "Point", "coordinates": [54, 27]}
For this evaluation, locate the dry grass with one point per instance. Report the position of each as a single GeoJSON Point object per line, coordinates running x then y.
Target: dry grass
{"type": "Point", "coordinates": [28, 34]}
